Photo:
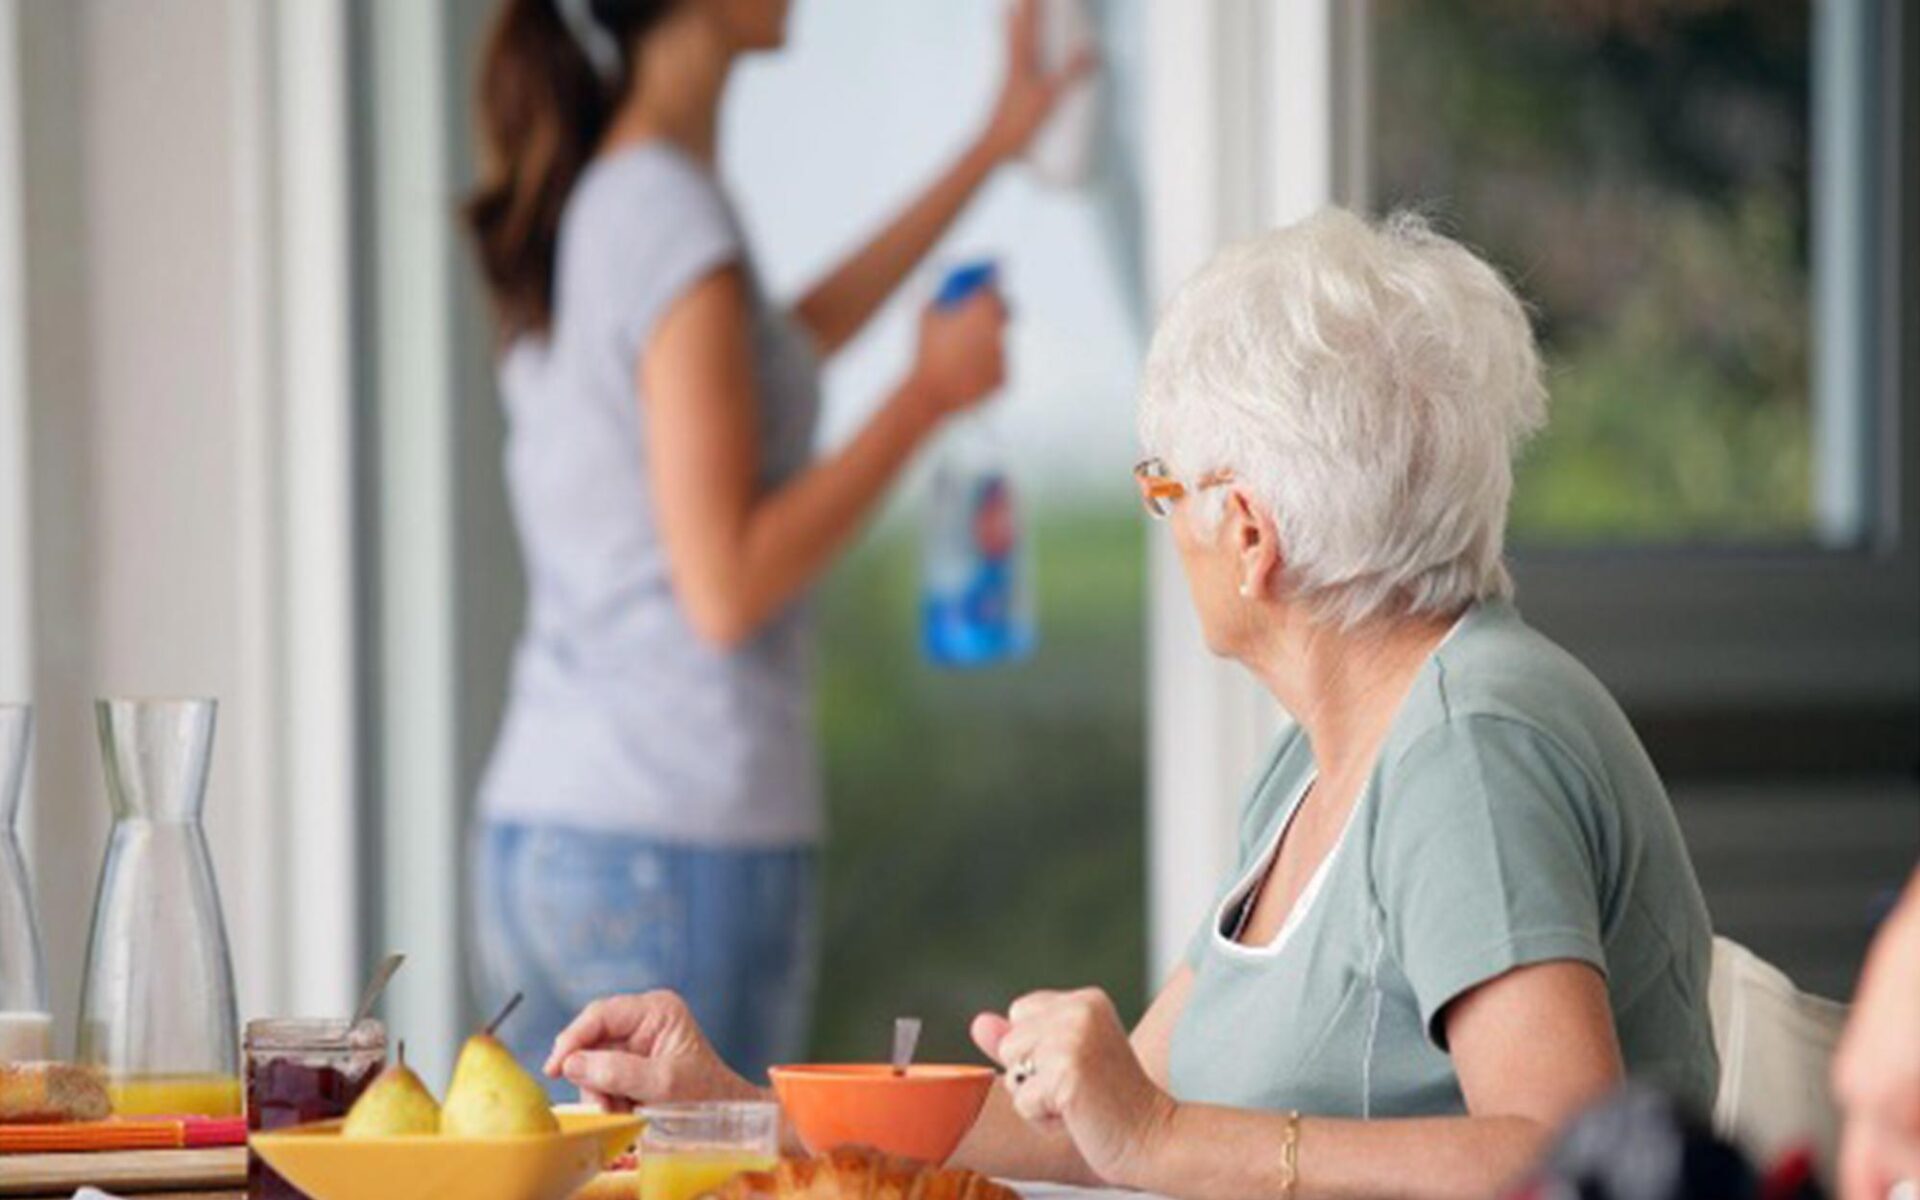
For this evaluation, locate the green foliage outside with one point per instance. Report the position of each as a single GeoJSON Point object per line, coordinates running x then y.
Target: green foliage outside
{"type": "Point", "coordinates": [1640, 170]}
{"type": "Point", "coordinates": [987, 826]}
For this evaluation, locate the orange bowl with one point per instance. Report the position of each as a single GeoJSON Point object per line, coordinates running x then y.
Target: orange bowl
{"type": "Point", "coordinates": [922, 1114]}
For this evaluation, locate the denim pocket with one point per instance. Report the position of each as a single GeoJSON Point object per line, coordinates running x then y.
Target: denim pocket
{"type": "Point", "coordinates": [605, 913]}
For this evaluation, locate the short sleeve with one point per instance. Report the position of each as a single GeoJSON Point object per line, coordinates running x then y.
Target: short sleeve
{"type": "Point", "coordinates": [1485, 860]}
{"type": "Point", "coordinates": [646, 229]}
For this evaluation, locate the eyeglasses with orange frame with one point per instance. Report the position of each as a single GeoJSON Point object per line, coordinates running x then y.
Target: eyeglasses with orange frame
{"type": "Point", "coordinates": [1159, 489]}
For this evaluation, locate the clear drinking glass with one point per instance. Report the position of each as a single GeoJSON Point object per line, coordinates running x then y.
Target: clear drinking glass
{"type": "Point", "coordinates": [26, 1026]}
{"type": "Point", "coordinates": [300, 1071]}
{"type": "Point", "coordinates": [156, 1003]}
{"type": "Point", "coordinates": [688, 1150]}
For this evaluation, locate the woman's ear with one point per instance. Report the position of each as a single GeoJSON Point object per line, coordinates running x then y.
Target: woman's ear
{"type": "Point", "coordinates": [1256, 543]}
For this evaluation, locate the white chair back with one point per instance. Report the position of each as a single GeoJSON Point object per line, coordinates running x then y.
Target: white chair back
{"type": "Point", "coordinates": [1776, 1047]}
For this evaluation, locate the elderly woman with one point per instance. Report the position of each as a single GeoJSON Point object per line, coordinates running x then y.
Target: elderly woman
{"type": "Point", "coordinates": [1463, 909]}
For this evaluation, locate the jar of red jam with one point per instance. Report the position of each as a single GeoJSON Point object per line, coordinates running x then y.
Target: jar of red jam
{"type": "Point", "coordinates": [299, 1071]}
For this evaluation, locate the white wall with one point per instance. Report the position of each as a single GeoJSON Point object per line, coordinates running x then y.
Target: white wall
{"type": "Point", "coordinates": [16, 611]}
{"type": "Point", "coordinates": [152, 275]}
{"type": "Point", "coordinates": [128, 167]}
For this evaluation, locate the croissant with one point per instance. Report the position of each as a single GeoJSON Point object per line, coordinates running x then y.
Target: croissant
{"type": "Point", "coordinates": [860, 1173]}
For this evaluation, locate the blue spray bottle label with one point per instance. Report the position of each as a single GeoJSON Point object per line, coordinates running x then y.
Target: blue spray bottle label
{"type": "Point", "coordinates": [976, 607]}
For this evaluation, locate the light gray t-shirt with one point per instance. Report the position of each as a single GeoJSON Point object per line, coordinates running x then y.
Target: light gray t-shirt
{"type": "Point", "coordinates": [619, 717]}
{"type": "Point", "coordinates": [1512, 818]}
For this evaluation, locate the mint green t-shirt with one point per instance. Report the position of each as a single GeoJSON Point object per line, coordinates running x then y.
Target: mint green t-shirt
{"type": "Point", "coordinates": [1512, 818]}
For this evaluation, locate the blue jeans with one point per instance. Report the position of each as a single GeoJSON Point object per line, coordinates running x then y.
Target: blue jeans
{"type": "Point", "coordinates": [567, 916]}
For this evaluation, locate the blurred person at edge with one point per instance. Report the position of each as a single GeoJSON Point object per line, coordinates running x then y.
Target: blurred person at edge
{"type": "Point", "coordinates": [1876, 1074]}
{"type": "Point", "coordinates": [652, 805]}
{"type": "Point", "coordinates": [1463, 910]}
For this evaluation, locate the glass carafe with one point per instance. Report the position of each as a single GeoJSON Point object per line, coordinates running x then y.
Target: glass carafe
{"type": "Point", "coordinates": [156, 1004]}
{"type": "Point", "coordinates": [26, 1026]}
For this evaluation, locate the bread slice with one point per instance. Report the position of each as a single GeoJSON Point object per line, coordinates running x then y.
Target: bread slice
{"type": "Point", "coordinates": [47, 1092]}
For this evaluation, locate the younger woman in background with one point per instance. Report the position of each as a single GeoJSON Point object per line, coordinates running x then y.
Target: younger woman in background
{"type": "Point", "coordinates": [651, 809]}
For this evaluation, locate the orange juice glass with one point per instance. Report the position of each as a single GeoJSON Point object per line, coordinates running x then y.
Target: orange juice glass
{"type": "Point", "coordinates": [687, 1150]}
{"type": "Point", "coordinates": [174, 1095]}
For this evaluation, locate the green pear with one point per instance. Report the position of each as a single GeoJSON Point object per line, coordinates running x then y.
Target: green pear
{"type": "Point", "coordinates": [491, 1096]}
{"type": "Point", "coordinates": [396, 1105]}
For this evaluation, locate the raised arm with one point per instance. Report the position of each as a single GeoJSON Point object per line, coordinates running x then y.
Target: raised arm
{"type": "Point", "coordinates": [840, 305]}
{"type": "Point", "coordinates": [739, 554]}
{"type": "Point", "coordinates": [1127, 1130]}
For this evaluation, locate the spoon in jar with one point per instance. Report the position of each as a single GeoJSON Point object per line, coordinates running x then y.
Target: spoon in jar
{"type": "Point", "coordinates": [382, 975]}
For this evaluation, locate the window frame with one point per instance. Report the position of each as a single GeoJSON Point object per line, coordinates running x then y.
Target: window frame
{"type": "Point", "coordinates": [1249, 115]}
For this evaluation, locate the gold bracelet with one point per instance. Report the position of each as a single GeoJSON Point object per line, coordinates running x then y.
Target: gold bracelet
{"type": "Point", "coordinates": [1290, 1155]}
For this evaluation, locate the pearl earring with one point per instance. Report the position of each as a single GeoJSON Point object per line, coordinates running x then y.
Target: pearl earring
{"type": "Point", "coordinates": [1246, 590]}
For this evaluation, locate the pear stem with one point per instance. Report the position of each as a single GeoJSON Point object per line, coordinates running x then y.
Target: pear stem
{"type": "Point", "coordinates": [504, 1013]}
{"type": "Point", "coordinates": [403, 1052]}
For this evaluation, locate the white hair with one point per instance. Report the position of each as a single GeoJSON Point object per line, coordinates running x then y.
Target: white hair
{"type": "Point", "coordinates": [1370, 387]}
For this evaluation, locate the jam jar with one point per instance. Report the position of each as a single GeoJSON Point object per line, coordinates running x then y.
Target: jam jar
{"type": "Point", "coordinates": [304, 1070]}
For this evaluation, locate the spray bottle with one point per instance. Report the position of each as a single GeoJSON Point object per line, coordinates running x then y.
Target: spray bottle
{"type": "Point", "coordinates": [976, 606]}
{"type": "Point", "coordinates": [976, 598]}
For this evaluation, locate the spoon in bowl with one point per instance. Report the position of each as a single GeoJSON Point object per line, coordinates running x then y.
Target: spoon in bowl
{"type": "Point", "coordinates": [906, 1036]}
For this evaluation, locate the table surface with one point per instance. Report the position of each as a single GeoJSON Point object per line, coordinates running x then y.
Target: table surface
{"type": "Point", "coordinates": [239, 1195]}
{"type": "Point", "coordinates": [1030, 1191]}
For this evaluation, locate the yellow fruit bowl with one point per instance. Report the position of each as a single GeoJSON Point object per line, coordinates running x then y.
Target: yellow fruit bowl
{"type": "Point", "coordinates": [541, 1166]}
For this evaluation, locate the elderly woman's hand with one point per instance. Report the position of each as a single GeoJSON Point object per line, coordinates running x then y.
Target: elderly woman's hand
{"type": "Point", "coordinates": [1069, 1061]}
{"type": "Point", "coordinates": [645, 1049]}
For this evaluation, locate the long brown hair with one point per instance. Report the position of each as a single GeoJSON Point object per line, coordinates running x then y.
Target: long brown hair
{"type": "Point", "coordinates": [543, 106]}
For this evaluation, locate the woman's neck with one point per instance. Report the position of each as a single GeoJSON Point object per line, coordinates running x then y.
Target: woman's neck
{"type": "Point", "coordinates": [1345, 686]}
{"type": "Point", "coordinates": [680, 72]}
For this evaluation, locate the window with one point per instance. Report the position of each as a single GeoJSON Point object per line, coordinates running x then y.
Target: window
{"type": "Point", "coordinates": [987, 827]}
{"type": "Point", "coordinates": [1752, 599]}
{"type": "Point", "coordinates": [1702, 199]}
{"type": "Point", "coordinates": [1649, 172]}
